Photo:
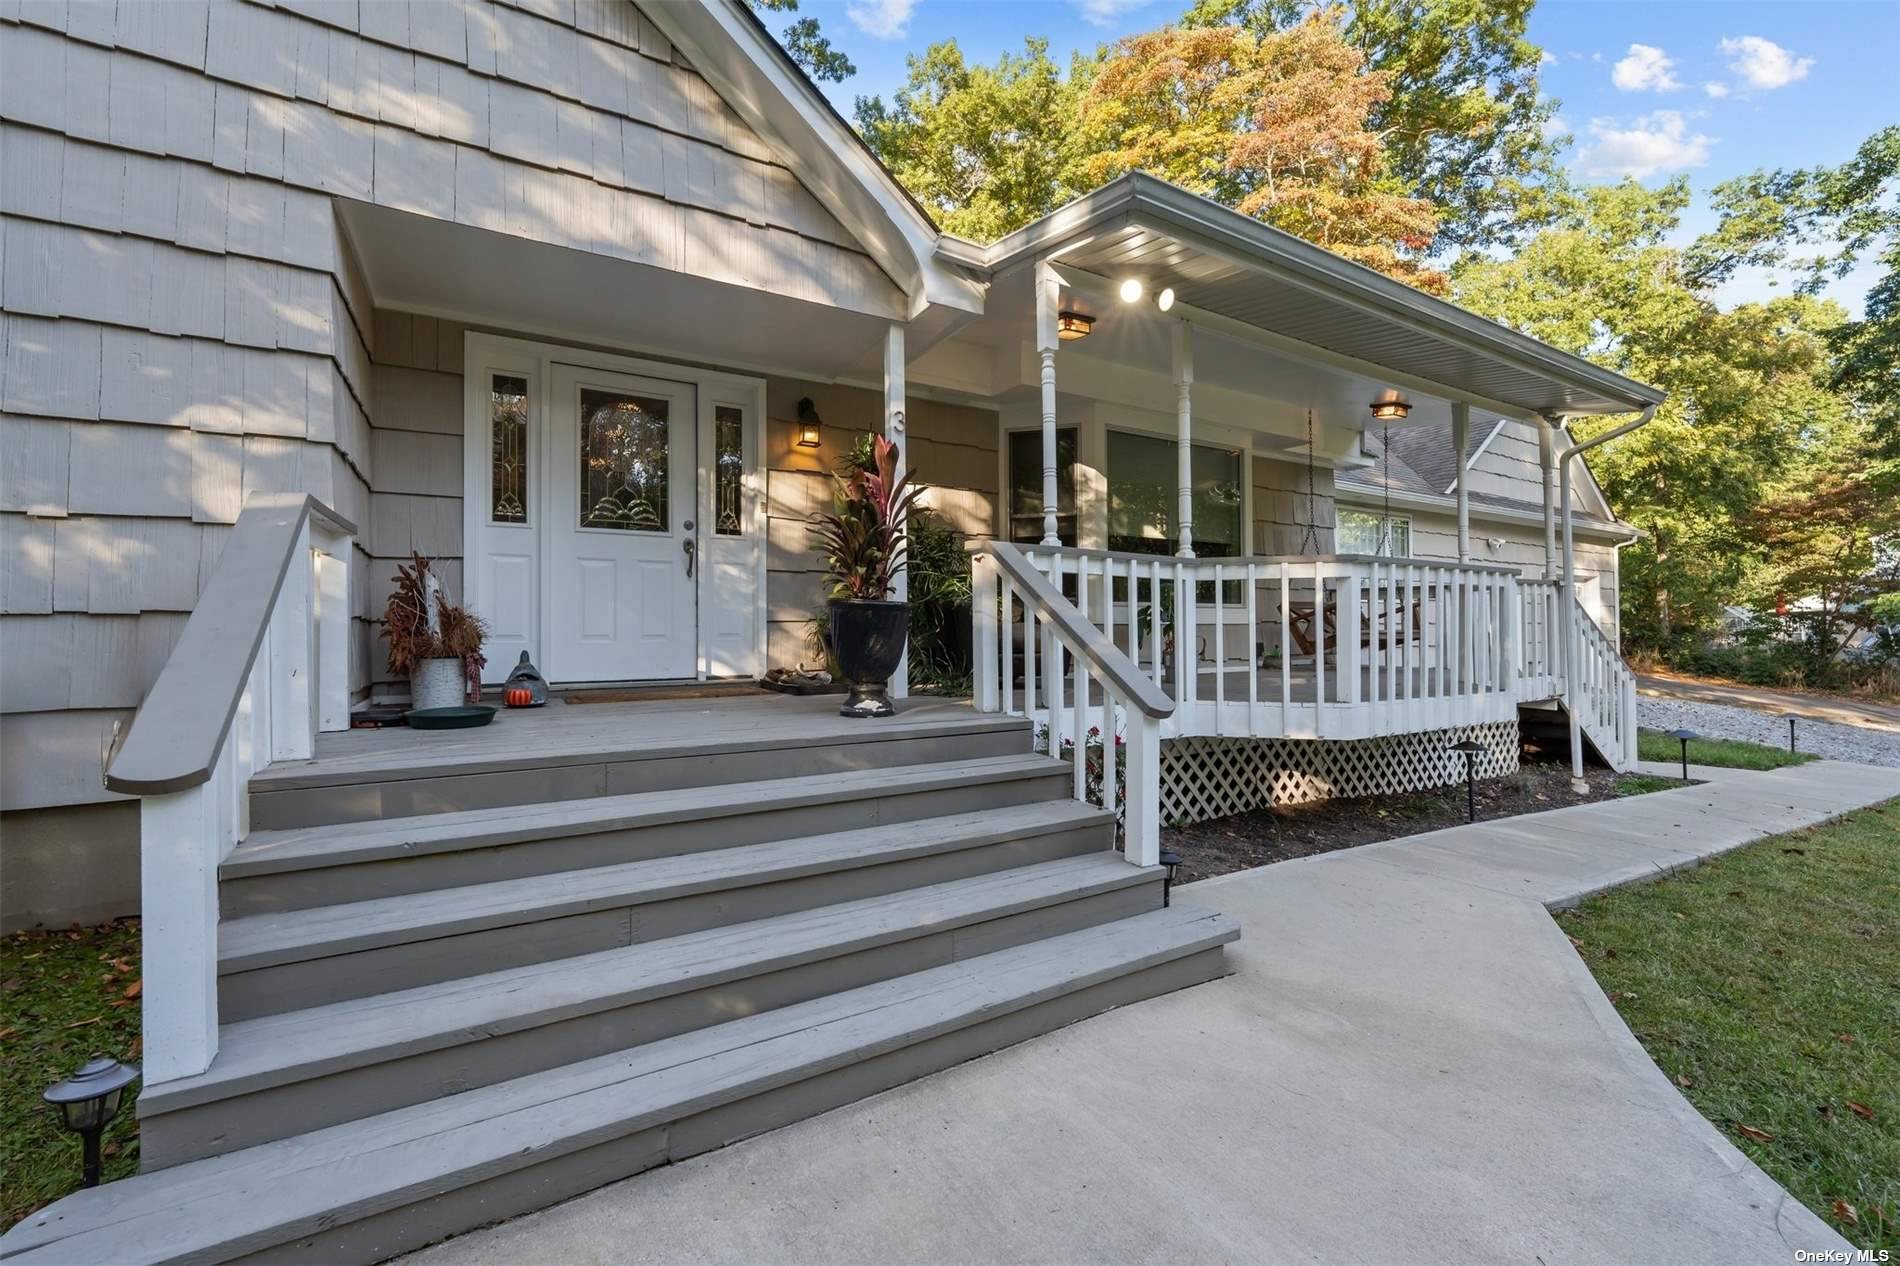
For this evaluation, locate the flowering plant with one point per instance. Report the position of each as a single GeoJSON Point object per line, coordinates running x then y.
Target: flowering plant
{"type": "Point", "coordinates": [863, 533]}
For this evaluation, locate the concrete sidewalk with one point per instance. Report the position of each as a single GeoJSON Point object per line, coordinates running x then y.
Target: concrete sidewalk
{"type": "Point", "coordinates": [1409, 1064]}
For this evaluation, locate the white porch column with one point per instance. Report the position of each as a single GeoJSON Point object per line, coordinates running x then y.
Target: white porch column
{"type": "Point", "coordinates": [1183, 433]}
{"type": "Point", "coordinates": [1048, 299]}
{"type": "Point", "coordinates": [894, 432]}
{"type": "Point", "coordinates": [1547, 462]}
{"type": "Point", "coordinates": [1460, 438]}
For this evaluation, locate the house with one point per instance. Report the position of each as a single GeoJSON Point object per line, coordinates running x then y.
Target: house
{"type": "Point", "coordinates": [291, 291]}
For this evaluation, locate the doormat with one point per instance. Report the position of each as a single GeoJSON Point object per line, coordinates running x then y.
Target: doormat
{"type": "Point", "coordinates": [654, 694]}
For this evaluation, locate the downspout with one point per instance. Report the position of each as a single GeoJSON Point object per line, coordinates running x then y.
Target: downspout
{"type": "Point", "coordinates": [1573, 451]}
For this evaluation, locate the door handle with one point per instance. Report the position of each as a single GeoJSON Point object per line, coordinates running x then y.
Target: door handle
{"type": "Point", "coordinates": [688, 546]}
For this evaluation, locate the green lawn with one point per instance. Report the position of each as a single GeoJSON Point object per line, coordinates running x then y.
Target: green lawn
{"type": "Point", "coordinates": [1764, 984]}
{"type": "Point", "coordinates": [1726, 753]}
{"type": "Point", "coordinates": [69, 995]}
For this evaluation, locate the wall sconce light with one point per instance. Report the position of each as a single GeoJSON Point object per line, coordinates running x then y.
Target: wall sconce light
{"type": "Point", "coordinates": [88, 1100]}
{"type": "Point", "coordinates": [808, 424]}
{"type": "Point", "coordinates": [1071, 326]}
{"type": "Point", "coordinates": [1390, 410]}
{"type": "Point", "coordinates": [1165, 299]}
{"type": "Point", "coordinates": [1132, 290]}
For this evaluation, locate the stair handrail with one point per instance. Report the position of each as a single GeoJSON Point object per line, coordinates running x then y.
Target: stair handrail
{"type": "Point", "coordinates": [1000, 572]}
{"type": "Point", "coordinates": [1610, 705]}
{"type": "Point", "coordinates": [262, 665]}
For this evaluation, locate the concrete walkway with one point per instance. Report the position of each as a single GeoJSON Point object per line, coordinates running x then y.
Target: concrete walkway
{"type": "Point", "coordinates": [1410, 1064]}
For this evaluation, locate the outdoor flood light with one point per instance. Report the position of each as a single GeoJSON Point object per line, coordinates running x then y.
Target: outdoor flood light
{"type": "Point", "coordinates": [1470, 749]}
{"type": "Point", "coordinates": [1683, 737]}
{"type": "Point", "coordinates": [1071, 326]}
{"type": "Point", "coordinates": [87, 1102]}
{"type": "Point", "coordinates": [1131, 291]}
{"type": "Point", "coordinates": [808, 423]}
{"type": "Point", "coordinates": [1165, 299]}
{"type": "Point", "coordinates": [1172, 860]}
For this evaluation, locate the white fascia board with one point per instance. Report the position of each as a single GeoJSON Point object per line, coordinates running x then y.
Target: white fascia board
{"type": "Point", "coordinates": [1360, 498]}
{"type": "Point", "coordinates": [1248, 243]}
{"type": "Point", "coordinates": [754, 76]}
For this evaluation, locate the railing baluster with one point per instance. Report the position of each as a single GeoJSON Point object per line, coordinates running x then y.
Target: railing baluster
{"type": "Point", "coordinates": [1080, 728]}
{"type": "Point", "coordinates": [1154, 620]}
{"type": "Point", "coordinates": [1254, 644]}
{"type": "Point", "coordinates": [1220, 655]}
{"type": "Point", "coordinates": [1286, 645]}
{"type": "Point", "coordinates": [1006, 680]}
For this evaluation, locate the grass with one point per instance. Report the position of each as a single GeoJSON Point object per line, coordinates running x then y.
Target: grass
{"type": "Point", "coordinates": [69, 995]}
{"type": "Point", "coordinates": [1643, 784]}
{"type": "Point", "coordinates": [1763, 984]}
{"type": "Point", "coordinates": [1726, 753]}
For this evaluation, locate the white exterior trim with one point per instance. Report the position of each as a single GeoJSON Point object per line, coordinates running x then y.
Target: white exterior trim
{"type": "Point", "coordinates": [534, 360]}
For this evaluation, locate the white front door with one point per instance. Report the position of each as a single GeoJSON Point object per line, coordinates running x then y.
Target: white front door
{"type": "Point", "coordinates": [621, 509]}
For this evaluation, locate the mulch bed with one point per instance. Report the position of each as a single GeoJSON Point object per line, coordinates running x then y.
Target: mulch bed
{"type": "Point", "coordinates": [1261, 837]}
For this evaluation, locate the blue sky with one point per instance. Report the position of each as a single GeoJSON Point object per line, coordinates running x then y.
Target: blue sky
{"type": "Point", "coordinates": [1706, 88]}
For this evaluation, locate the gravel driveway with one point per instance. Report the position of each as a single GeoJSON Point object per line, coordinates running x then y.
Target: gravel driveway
{"type": "Point", "coordinates": [1823, 738]}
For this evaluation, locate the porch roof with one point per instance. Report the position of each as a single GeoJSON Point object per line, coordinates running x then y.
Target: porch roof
{"type": "Point", "coordinates": [1233, 270]}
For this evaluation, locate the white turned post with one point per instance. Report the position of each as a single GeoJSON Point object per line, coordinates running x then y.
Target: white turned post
{"type": "Point", "coordinates": [292, 704]}
{"type": "Point", "coordinates": [894, 432]}
{"type": "Point", "coordinates": [1141, 823]}
{"type": "Point", "coordinates": [983, 637]}
{"type": "Point", "coordinates": [1183, 434]}
{"type": "Point", "coordinates": [1048, 301]}
{"type": "Point", "coordinates": [1460, 440]}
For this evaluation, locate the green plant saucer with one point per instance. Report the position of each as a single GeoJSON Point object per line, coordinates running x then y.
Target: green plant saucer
{"type": "Point", "coordinates": [463, 718]}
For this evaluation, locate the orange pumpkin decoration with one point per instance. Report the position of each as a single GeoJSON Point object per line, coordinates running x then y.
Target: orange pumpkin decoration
{"type": "Point", "coordinates": [518, 697]}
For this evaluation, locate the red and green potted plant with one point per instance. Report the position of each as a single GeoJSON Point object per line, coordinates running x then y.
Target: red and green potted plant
{"type": "Point", "coordinates": [864, 540]}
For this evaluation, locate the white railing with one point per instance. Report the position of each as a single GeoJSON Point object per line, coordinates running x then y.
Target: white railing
{"type": "Point", "coordinates": [1097, 706]}
{"type": "Point", "coordinates": [261, 666]}
{"type": "Point", "coordinates": [1540, 656]}
{"type": "Point", "coordinates": [1337, 646]}
{"type": "Point", "coordinates": [1601, 692]}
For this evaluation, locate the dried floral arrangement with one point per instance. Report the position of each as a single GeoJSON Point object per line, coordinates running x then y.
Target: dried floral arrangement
{"type": "Point", "coordinates": [458, 632]}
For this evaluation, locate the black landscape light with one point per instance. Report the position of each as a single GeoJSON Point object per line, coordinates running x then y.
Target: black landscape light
{"type": "Point", "coordinates": [87, 1102]}
{"type": "Point", "coordinates": [1791, 716]}
{"type": "Point", "coordinates": [1683, 737]}
{"type": "Point", "coordinates": [1172, 860]}
{"type": "Point", "coordinates": [1470, 749]}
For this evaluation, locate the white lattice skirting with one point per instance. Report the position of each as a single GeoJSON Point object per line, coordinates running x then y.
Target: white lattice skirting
{"type": "Point", "coordinates": [1204, 778]}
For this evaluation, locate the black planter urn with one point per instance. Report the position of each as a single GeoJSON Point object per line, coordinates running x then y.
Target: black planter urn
{"type": "Point", "coordinates": [867, 638]}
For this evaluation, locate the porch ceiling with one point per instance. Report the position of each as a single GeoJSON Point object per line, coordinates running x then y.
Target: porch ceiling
{"type": "Point", "coordinates": [511, 284]}
{"type": "Point", "coordinates": [1233, 269]}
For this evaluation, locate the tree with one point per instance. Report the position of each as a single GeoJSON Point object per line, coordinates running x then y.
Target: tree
{"type": "Point", "coordinates": [1463, 122]}
{"type": "Point", "coordinates": [1273, 124]}
{"type": "Point", "coordinates": [986, 148]}
{"type": "Point", "coordinates": [807, 45]}
{"type": "Point", "coordinates": [1749, 387]}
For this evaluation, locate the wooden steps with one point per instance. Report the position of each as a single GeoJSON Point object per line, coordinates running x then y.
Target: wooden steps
{"type": "Point", "coordinates": [516, 990]}
{"type": "Point", "coordinates": [373, 1188]}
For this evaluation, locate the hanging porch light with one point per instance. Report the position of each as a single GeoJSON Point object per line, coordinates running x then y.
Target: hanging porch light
{"type": "Point", "coordinates": [1390, 410]}
{"type": "Point", "coordinates": [1071, 326]}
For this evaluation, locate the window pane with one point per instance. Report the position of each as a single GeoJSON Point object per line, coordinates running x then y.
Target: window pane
{"type": "Point", "coordinates": [728, 468]}
{"type": "Point", "coordinates": [1360, 533]}
{"type": "Point", "coordinates": [623, 474]}
{"type": "Point", "coordinates": [1025, 486]}
{"type": "Point", "coordinates": [508, 442]}
{"type": "Point", "coordinates": [1143, 497]}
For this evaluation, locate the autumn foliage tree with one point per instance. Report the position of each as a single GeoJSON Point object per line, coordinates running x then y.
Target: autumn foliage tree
{"type": "Point", "coordinates": [1273, 124]}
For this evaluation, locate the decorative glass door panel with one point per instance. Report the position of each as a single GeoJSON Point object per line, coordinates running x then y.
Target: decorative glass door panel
{"type": "Point", "coordinates": [625, 544]}
{"type": "Point", "coordinates": [624, 472]}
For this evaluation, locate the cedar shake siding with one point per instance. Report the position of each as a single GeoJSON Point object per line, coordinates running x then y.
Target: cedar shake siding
{"type": "Point", "coordinates": [183, 320]}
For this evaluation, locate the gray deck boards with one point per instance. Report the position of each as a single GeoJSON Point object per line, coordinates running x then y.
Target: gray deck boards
{"type": "Point", "coordinates": [562, 733]}
{"type": "Point", "coordinates": [345, 843]}
{"type": "Point", "coordinates": [260, 1198]}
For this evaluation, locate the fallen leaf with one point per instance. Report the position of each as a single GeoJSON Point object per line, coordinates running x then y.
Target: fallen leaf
{"type": "Point", "coordinates": [1860, 1110]}
{"type": "Point", "coordinates": [80, 1024]}
{"type": "Point", "coordinates": [1846, 1039]}
{"type": "Point", "coordinates": [1846, 1213]}
{"type": "Point", "coordinates": [1750, 1132]}
{"type": "Point", "coordinates": [132, 990]}
{"type": "Point", "coordinates": [8, 1032]}
{"type": "Point", "coordinates": [1682, 1080]}
{"type": "Point", "coordinates": [1610, 953]}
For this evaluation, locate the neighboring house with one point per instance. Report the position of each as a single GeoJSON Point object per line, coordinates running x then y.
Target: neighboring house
{"type": "Point", "coordinates": [584, 299]}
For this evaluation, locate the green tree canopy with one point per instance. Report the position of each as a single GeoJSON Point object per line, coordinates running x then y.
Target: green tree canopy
{"type": "Point", "coordinates": [807, 45]}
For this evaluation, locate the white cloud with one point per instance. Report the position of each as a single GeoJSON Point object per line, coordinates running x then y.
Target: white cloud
{"type": "Point", "coordinates": [1648, 146]}
{"type": "Point", "coordinates": [1716, 90]}
{"type": "Point", "coordinates": [881, 19]}
{"type": "Point", "coordinates": [1764, 63]}
{"type": "Point", "coordinates": [1105, 12]}
{"type": "Point", "coordinates": [1646, 69]}
{"type": "Point", "coordinates": [1555, 126]}
{"type": "Point", "coordinates": [1547, 58]}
